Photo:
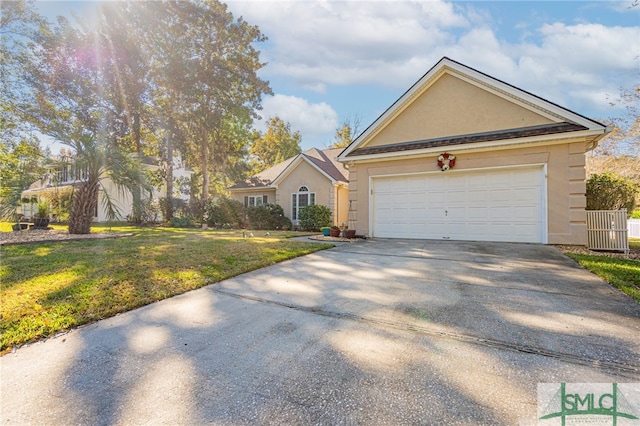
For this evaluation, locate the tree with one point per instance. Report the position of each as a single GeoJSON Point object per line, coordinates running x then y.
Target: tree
{"type": "Point", "coordinates": [610, 192]}
{"type": "Point", "coordinates": [20, 28]}
{"type": "Point", "coordinates": [96, 160]}
{"type": "Point", "coordinates": [150, 78]}
{"type": "Point", "coordinates": [619, 151]}
{"type": "Point", "coordinates": [21, 158]}
{"type": "Point", "coordinates": [125, 71]}
{"type": "Point", "coordinates": [70, 106]}
{"type": "Point", "coordinates": [346, 133]}
{"type": "Point", "coordinates": [217, 73]}
{"type": "Point", "coordinates": [275, 146]}
{"type": "Point", "coordinates": [20, 165]}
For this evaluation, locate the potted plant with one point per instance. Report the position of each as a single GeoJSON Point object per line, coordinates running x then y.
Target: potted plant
{"type": "Point", "coordinates": [334, 231]}
{"type": "Point", "coordinates": [325, 231]}
{"type": "Point", "coordinates": [350, 233]}
{"type": "Point", "coordinates": [41, 219]}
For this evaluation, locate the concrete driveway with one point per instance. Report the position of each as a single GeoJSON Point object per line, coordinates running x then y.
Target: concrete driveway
{"type": "Point", "coordinates": [374, 332]}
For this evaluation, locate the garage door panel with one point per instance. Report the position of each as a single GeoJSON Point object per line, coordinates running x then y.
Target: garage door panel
{"type": "Point", "coordinates": [478, 196]}
{"type": "Point", "coordinates": [501, 196]}
{"type": "Point", "coordinates": [456, 214]}
{"type": "Point", "coordinates": [526, 213]}
{"type": "Point", "coordinates": [416, 185]}
{"type": "Point", "coordinates": [478, 182]}
{"type": "Point", "coordinates": [434, 195]}
{"type": "Point", "coordinates": [458, 197]}
{"type": "Point", "coordinates": [525, 194]}
{"type": "Point", "coordinates": [494, 205]}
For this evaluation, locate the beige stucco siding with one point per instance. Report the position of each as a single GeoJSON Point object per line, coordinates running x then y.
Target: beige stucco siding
{"type": "Point", "coordinates": [342, 203]}
{"type": "Point", "coordinates": [565, 195]}
{"type": "Point", "coordinates": [304, 174]}
{"type": "Point", "coordinates": [450, 107]}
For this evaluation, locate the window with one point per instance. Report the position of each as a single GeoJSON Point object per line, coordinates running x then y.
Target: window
{"type": "Point", "coordinates": [301, 199]}
{"type": "Point", "coordinates": [255, 200]}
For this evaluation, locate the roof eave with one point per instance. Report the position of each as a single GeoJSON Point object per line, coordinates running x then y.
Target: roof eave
{"type": "Point", "coordinates": [551, 139]}
{"type": "Point", "coordinates": [252, 188]}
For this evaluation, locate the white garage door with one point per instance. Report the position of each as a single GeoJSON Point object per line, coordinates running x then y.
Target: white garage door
{"type": "Point", "coordinates": [494, 205]}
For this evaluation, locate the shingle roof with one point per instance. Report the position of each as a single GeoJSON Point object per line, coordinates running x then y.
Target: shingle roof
{"type": "Point", "coordinates": [325, 160]}
{"type": "Point", "coordinates": [546, 129]}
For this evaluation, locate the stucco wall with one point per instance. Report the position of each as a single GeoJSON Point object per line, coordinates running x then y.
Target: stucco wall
{"type": "Point", "coordinates": [566, 219]}
{"type": "Point", "coordinates": [304, 174]}
{"type": "Point", "coordinates": [342, 200]}
{"type": "Point", "coordinates": [451, 107]}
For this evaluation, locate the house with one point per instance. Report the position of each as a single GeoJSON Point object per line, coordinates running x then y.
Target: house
{"type": "Point", "coordinates": [464, 156]}
{"type": "Point", "coordinates": [63, 175]}
{"type": "Point", "coordinates": [312, 177]}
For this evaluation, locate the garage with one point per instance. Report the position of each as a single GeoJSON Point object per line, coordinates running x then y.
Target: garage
{"type": "Point", "coordinates": [505, 204]}
{"type": "Point", "coordinates": [518, 173]}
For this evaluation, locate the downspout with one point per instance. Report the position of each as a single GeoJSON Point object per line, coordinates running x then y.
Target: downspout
{"type": "Point", "coordinates": [336, 204]}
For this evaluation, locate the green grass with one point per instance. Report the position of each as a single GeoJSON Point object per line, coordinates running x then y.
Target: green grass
{"type": "Point", "coordinates": [46, 288]}
{"type": "Point", "coordinates": [623, 274]}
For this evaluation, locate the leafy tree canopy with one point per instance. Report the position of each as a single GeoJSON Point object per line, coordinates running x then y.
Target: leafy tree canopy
{"type": "Point", "coordinates": [21, 164]}
{"type": "Point", "coordinates": [275, 146]}
{"type": "Point", "coordinates": [346, 133]}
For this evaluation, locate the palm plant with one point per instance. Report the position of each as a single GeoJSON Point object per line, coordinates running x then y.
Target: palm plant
{"type": "Point", "coordinates": [95, 162]}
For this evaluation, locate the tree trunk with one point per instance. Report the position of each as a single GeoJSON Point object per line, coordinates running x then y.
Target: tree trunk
{"type": "Point", "coordinates": [136, 191]}
{"type": "Point", "coordinates": [169, 203]}
{"type": "Point", "coordinates": [205, 170]}
{"type": "Point", "coordinates": [83, 208]}
{"type": "Point", "coordinates": [135, 132]}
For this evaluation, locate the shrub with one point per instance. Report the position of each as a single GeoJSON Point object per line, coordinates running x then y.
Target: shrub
{"type": "Point", "coordinates": [267, 216]}
{"type": "Point", "coordinates": [314, 217]}
{"type": "Point", "coordinates": [177, 207]}
{"type": "Point", "coordinates": [609, 192]}
{"type": "Point", "coordinates": [224, 212]}
{"type": "Point", "coordinates": [61, 204]}
{"type": "Point", "coordinates": [182, 222]}
{"type": "Point", "coordinates": [636, 214]}
{"type": "Point", "coordinates": [148, 212]}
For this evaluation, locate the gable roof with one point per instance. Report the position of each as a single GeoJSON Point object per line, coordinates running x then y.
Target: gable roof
{"type": "Point", "coordinates": [325, 161]}
{"type": "Point", "coordinates": [564, 120]}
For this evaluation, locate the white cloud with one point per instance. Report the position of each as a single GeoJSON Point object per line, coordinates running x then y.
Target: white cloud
{"type": "Point", "coordinates": [576, 64]}
{"type": "Point", "coordinates": [322, 45]}
{"type": "Point", "coordinates": [313, 120]}
{"type": "Point", "coordinates": [325, 42]}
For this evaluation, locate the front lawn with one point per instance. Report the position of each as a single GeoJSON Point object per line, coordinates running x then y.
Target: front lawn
{"type": "Point", "coordinates": [46, 288]}
{"type": "Point", "coordinates": [622, 273]}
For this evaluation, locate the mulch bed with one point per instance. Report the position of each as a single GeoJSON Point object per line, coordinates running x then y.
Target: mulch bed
{"type": "Point", "coordinates": [634, 253]}
{"type": "Point", "coordinates": [42, 235]}
{"type": "Point", "coordinates": [333, 239]}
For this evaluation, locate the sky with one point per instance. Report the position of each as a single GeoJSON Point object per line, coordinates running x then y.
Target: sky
{"type": "Point", "coordinates": [331, 61]}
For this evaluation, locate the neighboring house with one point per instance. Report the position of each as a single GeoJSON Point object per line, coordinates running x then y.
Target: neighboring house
{"type": "Point", "coordinates": [313, 177]}
{"type": "Point", "coordinates": [63, 176]}
{"type": "Point", "coordinates": [519, 170]}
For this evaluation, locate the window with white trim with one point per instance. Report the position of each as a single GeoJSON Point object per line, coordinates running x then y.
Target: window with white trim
{"type": "Point", "coordinates": [300, 199]}
{"type": "Point", "coordinates": [255, 200]}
